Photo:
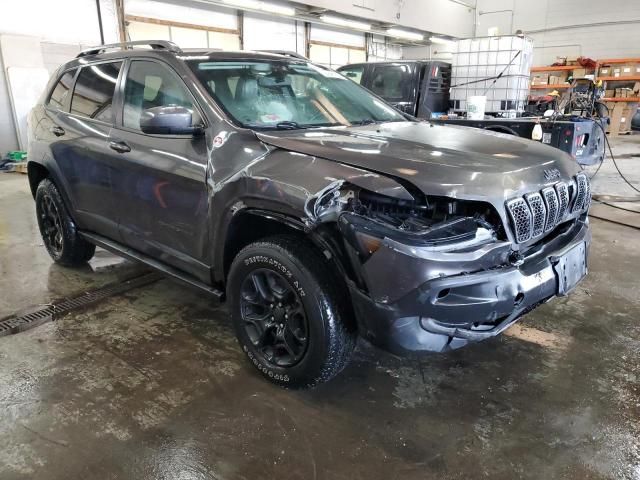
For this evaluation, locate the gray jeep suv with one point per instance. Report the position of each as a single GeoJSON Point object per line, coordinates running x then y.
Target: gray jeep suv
{"type": "Point", "coordinates": [320, 212]}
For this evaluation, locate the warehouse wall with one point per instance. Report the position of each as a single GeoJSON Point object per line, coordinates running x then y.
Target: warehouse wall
{"type": "Point", "coordinates": [60, 28]}
{"type": "Point", "coordinates": [592, 28]}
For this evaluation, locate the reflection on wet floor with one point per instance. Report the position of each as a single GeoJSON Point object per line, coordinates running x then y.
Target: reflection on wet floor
{"type": "Point", "coordinates": [151, 384]}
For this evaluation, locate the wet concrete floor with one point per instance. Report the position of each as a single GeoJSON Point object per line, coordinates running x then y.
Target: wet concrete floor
{"type": "Point", "coordinates": [151, 385]}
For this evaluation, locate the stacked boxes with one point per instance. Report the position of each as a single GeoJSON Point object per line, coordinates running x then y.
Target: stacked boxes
{"type": "Point", "coordinates": [619, 70]}
{"type": "Point", "coordinates": [475, 60]}
{"type": "Point", "coordinates": [620, 114]}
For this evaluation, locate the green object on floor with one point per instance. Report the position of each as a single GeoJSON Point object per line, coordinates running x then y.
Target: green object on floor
{"type": "Point", "coordinates": [17, 156]}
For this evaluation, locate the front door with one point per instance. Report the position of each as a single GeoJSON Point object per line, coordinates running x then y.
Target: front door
{"type": "Point", "coordinates": [161, 179]}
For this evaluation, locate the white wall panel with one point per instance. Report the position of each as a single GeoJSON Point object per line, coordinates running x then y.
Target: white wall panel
{"type": "Point", "coordinates": [71, 21]}
{"type": "Point", "coordinates": [590, 39]}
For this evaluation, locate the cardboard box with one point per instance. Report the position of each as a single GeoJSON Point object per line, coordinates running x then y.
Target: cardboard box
{"type": "Point", "coordinates": [627, 70]}
{"type": "Point", "coordinates": [616, 71]}
{"type": "Point", "coordinates": [604, 72]}
{"type": "Point", "coordinates": [627, 116]}
{"type": "Point", "coordinates": [623, 92]}
{"type": "Point", "coordinates": [579, 72]}
{"type": "Point", "coordinates": [557, 78]}
{"type": "Point", "coordinates": [621, 114]}
{"type": "Point", "coordinates": [615, 115]}
{"type": "Point", "coordinates": [609, 93]}
{"type": "Point", "coordinates": [540, 79]}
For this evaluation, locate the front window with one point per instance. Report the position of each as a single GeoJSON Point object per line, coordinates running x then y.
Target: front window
{"type": "Point", "coordinates": [289, 95]}
{"type": "Point", "coordinates": [150, 84]}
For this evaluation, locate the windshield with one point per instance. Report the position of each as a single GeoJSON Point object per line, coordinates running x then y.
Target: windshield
{"type": "Point", "coordinates": [288, 95]}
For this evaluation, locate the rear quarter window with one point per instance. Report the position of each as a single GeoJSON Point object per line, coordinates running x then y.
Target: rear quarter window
{"type": "Point", "coordinates": [61, 90]}
{"type": "Point", "coordinates": [94, 90]}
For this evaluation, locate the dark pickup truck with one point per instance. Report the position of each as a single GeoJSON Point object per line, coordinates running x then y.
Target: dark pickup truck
{"type": "Point", "coordinates": [421, 89]}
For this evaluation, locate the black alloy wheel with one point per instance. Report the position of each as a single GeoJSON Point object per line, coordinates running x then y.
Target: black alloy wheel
{"type": "Point", "coordinates": [52, 230]}
{"type": "Point", "coordinates": [289, 311]}
{"type": "Point", "coordinates": [274, 317]}
{"type": "Point", "coordinates": [59, 234]}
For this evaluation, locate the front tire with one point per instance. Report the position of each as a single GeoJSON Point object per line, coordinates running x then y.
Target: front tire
{"type": "Point", "coordinates": [58, 231]}
{"type": "Point", "coordinates": [286, 312]}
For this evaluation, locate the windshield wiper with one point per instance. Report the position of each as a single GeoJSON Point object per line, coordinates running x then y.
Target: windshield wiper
{"type": "Point", "coordinates": [288, 125]}
{"type": "Point", "coordinates": [366, 121]}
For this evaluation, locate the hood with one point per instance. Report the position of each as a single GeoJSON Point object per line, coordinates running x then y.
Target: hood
{"type": "Point", "coordinates": [457, 162]}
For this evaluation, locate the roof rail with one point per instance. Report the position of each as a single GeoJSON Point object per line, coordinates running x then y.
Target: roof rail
{"type": "Point", "coordinates": [286, 53]}
{"type": "Point", "coordinates": [154, 44]}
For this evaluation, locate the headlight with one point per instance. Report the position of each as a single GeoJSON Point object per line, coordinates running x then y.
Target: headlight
{"type": "Point", "coordinates": [366, 235]}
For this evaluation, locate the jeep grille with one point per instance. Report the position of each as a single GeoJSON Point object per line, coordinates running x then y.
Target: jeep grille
{"type": "Point", "coordinates": [539, 212]}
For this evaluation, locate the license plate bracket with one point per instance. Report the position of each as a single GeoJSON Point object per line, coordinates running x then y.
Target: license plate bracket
{"type": "Point", "coordinates": [570, 268]}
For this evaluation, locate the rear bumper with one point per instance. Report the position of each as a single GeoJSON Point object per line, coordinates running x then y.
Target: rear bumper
{"type": "Point", "coordinates": [452, 308]}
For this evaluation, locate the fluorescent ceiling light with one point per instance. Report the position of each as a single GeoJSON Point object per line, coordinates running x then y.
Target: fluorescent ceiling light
{"type": "Point", "coordinates": [398, 33]}
{"type": "Point", "coordinates": [345, 22]}
{"type": "Point", "coordinates": [275, 8]}
{"type": "Point", "coordinates": [264, 6]}
{"type": "Point", "coordinates": [442, 41]}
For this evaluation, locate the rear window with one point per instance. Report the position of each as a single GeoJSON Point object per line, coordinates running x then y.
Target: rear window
{"type": "Point", "coordinates": [352, 73]}
{"type": "Point", "coordinates": [61, 90]}
{"type": "Point", "coordinates": [93, 93]}
{"type": "Point", "coordinates": [392, 82]}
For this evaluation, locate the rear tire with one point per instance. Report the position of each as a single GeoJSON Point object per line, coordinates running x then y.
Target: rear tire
{"type": "Point", "coordinates": [286, 312]}
{"type": "Point", "coordinates": [58, 231]}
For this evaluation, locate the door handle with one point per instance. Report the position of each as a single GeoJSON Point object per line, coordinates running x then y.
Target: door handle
{"type": "Point", "coordinates": [57, 131]}
{"type": "Point", "coordinates": [120, 147]}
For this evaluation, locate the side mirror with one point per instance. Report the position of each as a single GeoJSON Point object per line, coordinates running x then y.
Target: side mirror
{"type": "Point", "coordinates": [169, 120]}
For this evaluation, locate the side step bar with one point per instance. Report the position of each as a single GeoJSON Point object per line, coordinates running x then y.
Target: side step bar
{"type": "Point", "coordinates": [131, 254]}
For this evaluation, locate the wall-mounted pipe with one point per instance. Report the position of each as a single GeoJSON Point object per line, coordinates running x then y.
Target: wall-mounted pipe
{"type": "Point", "coordinates": [584, 25]}
{"type": "Point", "coordinates": [499, 11]}
{"type": "Point", "coordinates": [99, 11]}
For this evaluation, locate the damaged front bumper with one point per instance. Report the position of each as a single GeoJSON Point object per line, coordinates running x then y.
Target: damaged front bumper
{"type": "Point", "coordinates": [422, 299]}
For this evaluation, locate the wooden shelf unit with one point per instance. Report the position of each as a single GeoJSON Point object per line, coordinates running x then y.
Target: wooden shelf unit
{"type": "Point", "coordinates": [629, 78]}
{"type": "Point", "coordinates": [607, 61]}
{"type": "Point", "coordinates": [549, 87]}
{"type": "Point", "coordinates": [599, 63]}
{"type": "Point", "coordinates": [557, 68]}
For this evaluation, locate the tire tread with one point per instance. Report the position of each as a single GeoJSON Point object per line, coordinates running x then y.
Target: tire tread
{"type": "Point", "coordinates": [341, 339]}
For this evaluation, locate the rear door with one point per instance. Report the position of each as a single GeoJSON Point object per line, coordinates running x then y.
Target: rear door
{"type": "Point", "coordinates": [81, 151]}
{"type": "Point", "coordinates": [397, 83]}
{"type": "Point", "coordinates": [161, 179]}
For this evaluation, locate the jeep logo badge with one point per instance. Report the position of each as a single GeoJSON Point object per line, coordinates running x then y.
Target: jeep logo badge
{"type": "Point", "coordinates": [551, 174]}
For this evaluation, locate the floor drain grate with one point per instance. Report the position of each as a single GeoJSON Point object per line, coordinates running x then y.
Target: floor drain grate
{"type": "Point", "coordinates": [16, 324]}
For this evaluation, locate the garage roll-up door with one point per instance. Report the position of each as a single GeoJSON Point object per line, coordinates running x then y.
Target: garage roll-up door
{"type": "Point", "coordinates": [189, 27]}
{"type": "Point", "coordinates": [333, 47]}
